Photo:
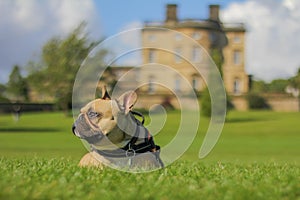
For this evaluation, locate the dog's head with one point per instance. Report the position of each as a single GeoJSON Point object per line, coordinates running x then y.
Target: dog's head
{"type": "Point", "coordinates": [105, 118]}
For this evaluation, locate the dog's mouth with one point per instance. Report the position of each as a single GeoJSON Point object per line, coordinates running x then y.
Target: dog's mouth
{"type": "Point", "coordinates": [91, 136]}
{"type": "Point", "coordinates": [75, 132]}
{"type": "Point", "coordinates": [84, 131]}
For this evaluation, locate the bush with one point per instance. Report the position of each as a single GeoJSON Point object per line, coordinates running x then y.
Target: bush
{"type": "Point", "coordinates": [206, 104]}
{"type": "Point", "coordinates": [256, 101]}
{"type": "Point", "coordinates": [4, 99]}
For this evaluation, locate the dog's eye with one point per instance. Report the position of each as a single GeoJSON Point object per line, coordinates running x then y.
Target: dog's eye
{"type": "Point", "coordinates": [92, 114]}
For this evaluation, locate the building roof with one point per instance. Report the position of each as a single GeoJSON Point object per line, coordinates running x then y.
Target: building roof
{"type": "Point", "coordinates": [212, 23]}
{"type": "Point", "coordinates": [198, 24]}
{"type": "Point", "coordinates": [234, 27]}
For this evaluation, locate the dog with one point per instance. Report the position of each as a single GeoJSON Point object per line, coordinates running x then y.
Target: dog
{"type": "Point", "coordinates": [117, 138]}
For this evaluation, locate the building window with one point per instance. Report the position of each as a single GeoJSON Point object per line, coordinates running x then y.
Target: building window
{"type": "Point", "coordinates": [178, 55]}
{"type": "Point", "coordinates": [177, 84]}
{"type": "Point", "coordinates": [196, 36]}
{"type": "Point", "coordinates": [196, 54]}
{"type": "Point", "coordinates": [151, 87]}
{"type": "Point", "coordinates": [236, 39]}
{"type": "Point", "coordinates": [237, 58]}
{"type": "Point", "coordinates": [195, 83]}
{"type": "Point", "coordinates": [151, 56]}
{"type": "Point", "coordinates": [236, 87]}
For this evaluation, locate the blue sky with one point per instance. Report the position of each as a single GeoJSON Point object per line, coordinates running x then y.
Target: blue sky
{"type": "Point", "coordinates": [273, 29]}
{"type": "Point", "coordinates": [116, 14]}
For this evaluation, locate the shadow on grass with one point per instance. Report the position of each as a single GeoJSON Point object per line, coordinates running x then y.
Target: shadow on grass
{"type": "Point", "coordinates": [237, 120]}
{"type": "Point", "coordinates": [248, 119]}
{"type": "Point", "coordinates": [28, 129]}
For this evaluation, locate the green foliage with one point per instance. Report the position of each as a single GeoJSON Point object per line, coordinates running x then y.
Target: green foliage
{"type": "Point", "coordinates": [259, 86]}
{"type": "Point", "coordinates": [3, 99]}
{"type": "Point", "coordinates": [295, 81]}
{"type": "Point", "coordinates": [275, 86]}
{"type": "Point", "coordinates": [17, 86]}
{"type": "Point", "coordinates": [218, 59]}
{"type": "Point", "coordinates": [61, 59]}
{"type": "Point", "coordinates": [278, 85]}
{"type": "Point", "coordinates": [36, 78]}
{"type": "Point", "coordinates": [2, 89]}
{"type": "Point", "coordinates": [256, 101]}
{"type": "Point", "coordinates": [205, 103]}
{"type": "Point", "coordinates": [108, 78]}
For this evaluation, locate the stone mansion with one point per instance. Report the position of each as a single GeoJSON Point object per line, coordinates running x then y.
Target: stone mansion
{"type": "Point", "coordinates": [208, 35]}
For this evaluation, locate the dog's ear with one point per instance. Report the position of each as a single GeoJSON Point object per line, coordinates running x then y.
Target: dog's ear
{"type": "Point", "coordinates": [105, 94]}
{"type": "Point", "coordinates": [127, 100]}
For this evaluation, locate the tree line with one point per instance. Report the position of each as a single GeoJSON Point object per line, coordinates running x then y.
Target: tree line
{"type": "Point", "coordinates": [53, 74]}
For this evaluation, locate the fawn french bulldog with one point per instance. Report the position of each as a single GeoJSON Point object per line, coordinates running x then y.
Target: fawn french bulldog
{"type": "Point", "coordinates": [116, 137]}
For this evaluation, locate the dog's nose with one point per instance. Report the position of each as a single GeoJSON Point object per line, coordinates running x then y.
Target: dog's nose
{"type": "Point", "coordinates": [73, 129]}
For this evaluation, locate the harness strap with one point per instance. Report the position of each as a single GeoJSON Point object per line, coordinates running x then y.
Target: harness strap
{"type": "Point", "coordinates": [147, 146]}
{"type": "Point", "coordinates": [140, 115]}
{"type": "Point", "coordinates": [131, 149]}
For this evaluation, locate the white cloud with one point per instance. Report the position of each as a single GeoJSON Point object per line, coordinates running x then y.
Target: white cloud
{"type": "Point", "coordinates": [125, 45]}
{"type": "Point", "coordinates": [290, 4]}
{"type": "Point", "coordinates": [272, 45]}
{"type": "Point", "coordinates": [69, 13]}
{"type": "Point", "coordinates": [26, 25]}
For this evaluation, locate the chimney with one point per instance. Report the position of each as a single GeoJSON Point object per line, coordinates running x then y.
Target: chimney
{"type": "Point", "coordinates": [171, 14]}
{"type": "Point", "coordinates": [214, 12]}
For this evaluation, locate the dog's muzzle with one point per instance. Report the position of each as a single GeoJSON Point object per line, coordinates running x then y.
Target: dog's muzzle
{"type": "Point", "coordinates": [82, 129]}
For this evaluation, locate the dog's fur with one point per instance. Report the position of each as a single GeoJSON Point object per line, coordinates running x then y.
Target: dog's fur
{"type": "Point", "coordinates": [112, 118]}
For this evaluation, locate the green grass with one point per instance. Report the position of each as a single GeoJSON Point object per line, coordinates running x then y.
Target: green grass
{"type": "Point", "coordinates": [39, 134]}
{"type": "Point", "coordinates": [256, 157]}
{"type": "Point", "coordinates": [62, 179]}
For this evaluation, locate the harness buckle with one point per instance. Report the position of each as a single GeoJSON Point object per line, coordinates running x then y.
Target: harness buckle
{"type": "Point", "coordinates": [130, 152]}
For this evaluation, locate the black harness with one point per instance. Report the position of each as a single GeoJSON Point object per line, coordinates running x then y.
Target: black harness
{"type": "Point", "coordinates": [131, 148]}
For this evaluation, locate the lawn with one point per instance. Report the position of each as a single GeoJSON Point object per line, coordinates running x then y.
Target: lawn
{"type": "Point", "coordinates": [256, 157]}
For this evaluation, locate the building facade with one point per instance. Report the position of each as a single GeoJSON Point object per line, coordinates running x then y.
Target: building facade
{"type": "Point", "coordinates": [187, 44]}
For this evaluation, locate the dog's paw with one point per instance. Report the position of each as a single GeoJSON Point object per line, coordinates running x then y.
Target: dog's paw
{"type": "Point", "coordinates": [90, 160]}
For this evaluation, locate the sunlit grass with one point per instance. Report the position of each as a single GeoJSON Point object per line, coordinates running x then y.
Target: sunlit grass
{"type": "Point", "coordinates": [37, 178]}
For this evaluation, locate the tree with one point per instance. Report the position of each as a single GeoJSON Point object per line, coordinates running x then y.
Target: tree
{"type": "Point", "coordinates": [3, 99]}
{"type": "Point", "coordinates": [17, 87]}
{"type": "Point", "coordinates": [206, 108]}
{"type": "Point", "coordinates": [206, 103]}
{"type": "Point", "coordinates": [278, 86]}
{"type": "Point", "coordinates": [295, 84]}
{"type": "Point", "coordinates": [61, 59]}
{"type": "Point", "coordinates": [255, 101]}
{"type": "Point", "coordinates": [108, 78]}
{"type": "Point", "coordinates": [259, 86]}
{"type": "Point", "coordinates": [295, 81]}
